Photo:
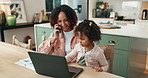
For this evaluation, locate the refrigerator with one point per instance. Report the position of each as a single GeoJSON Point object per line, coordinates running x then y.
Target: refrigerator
{"type": "Point", "coordinates": [81, 9]}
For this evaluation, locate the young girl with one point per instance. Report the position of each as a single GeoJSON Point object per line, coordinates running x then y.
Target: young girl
{"type": "Point", "coordinates": [86, 51]}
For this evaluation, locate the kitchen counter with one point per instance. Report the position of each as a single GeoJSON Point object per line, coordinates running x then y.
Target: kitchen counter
{"type": "Point", "coordinates": [131, 30]}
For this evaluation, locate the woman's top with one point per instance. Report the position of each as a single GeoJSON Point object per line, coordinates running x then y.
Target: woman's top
{"type": "Point", "coordinates": [93, 58]}
{"type": "Point", "coordinates": [68, 36]}
{"type": "Point", "coordinates": [58, 47]}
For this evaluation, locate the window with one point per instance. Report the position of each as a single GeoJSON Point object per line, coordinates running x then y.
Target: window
{"type": "Point", "coordinates": [51, 4]}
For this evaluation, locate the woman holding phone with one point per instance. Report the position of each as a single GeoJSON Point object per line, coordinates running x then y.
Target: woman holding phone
{"type": "Point", "coordinates": [63, 19]}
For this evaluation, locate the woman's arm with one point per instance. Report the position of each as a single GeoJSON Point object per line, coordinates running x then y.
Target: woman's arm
{"type": "Point", "coordinates": [46, 46]}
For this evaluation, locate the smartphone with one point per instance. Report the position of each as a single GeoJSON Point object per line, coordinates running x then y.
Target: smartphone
{"type": "Point", "coordinates": [59, 29]}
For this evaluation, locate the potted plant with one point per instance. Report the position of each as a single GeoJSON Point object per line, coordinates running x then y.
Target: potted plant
{"type": "Point", "coordinates": [100, 5]}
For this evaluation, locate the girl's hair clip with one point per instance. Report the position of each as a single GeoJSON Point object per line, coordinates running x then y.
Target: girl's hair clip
{"type": "Point", "coordinates": [90, 23]}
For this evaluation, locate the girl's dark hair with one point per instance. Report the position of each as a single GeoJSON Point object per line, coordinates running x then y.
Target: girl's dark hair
{"type": "Point", "coordinates": [90, 29]}
{"type": "Point", "coordinates": [69, 12]}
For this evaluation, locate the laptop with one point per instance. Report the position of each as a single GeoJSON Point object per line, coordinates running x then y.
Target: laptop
{"type": "Point", "coordinates": [53, 66]}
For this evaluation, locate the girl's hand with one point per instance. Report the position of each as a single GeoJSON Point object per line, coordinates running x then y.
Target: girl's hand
{"type": "Point", "coordinates": [98, 69]}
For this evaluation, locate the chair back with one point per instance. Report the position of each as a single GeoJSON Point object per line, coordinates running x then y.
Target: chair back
{"type": "Point", "coordinates": [16, 42]}
{"type": "Point", "coordinates": [109, 54]}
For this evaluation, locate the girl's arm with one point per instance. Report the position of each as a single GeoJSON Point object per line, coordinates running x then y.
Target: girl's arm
{"type": "Point", "coordinates": [102, 61]}
{"type": "Point", "coordinates": [72, 55]}
{"type": "Point", "coordinates": [98, 69]}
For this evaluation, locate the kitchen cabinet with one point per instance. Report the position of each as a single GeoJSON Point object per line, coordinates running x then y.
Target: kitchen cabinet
{"type": "Point", "coordinates": [129, 57]}
{"type": "Point", "coordinates": [120, 65]}
{"type": "Point", "coordinates": [121, 52]}
{"type": "Point", "coordinates": [130, 51]}
{"type": "Point", "coordinates": [42, 33]}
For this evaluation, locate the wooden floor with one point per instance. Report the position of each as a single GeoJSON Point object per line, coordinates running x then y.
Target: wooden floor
{"type": "Point", "coordinates": [145, 73]}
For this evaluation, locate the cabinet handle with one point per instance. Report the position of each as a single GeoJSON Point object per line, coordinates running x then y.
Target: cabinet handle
{"type": "Point", "coordinates": [111, 41]}
{"type": "Point", "coordinates": [43, 32]}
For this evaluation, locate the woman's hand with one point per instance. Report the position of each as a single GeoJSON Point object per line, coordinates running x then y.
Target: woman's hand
{"type": "Point", "coordinates": [57, 31]}
{"type": "Point", "coordinates": [98, 69]}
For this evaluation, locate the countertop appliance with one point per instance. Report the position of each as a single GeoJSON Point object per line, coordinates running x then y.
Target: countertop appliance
{"type": "Point", "coordinates": [145, 14]}
{"type": "Point", "coordinates": [120, 18]}
{"type": "Point", "coordinates": [103, 13]}
{"type": "Point", "coordinates": [112, 15]}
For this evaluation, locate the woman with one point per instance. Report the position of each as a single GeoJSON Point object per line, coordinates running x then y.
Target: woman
{"type": "Point", "coordinates": [63, 19]}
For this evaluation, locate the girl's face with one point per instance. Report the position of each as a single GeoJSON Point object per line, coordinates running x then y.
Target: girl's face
{"type": "Point", "coordinates": [63, 22]}
{"type": "Point", "coordinates": [83, 39]}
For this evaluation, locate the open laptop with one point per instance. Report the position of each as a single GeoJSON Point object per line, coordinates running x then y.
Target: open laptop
{"type": "Point", "coordinates": [53, 66]}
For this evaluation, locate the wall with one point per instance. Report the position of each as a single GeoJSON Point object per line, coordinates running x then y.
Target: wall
{"type": "Point", "coordinates": [35, 6]}
{"type": "Point", "coordinates": [32, 7]}
{"type": "Point", "coordinates": [92, 5]}
{"type": "Point", "coordinates": [116, 5]}
{"type": "Point", "coordinates": [67, 2]}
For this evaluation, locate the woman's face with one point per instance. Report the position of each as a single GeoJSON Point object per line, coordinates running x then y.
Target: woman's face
{"type": "Point", "coordinates": [63, 22]}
